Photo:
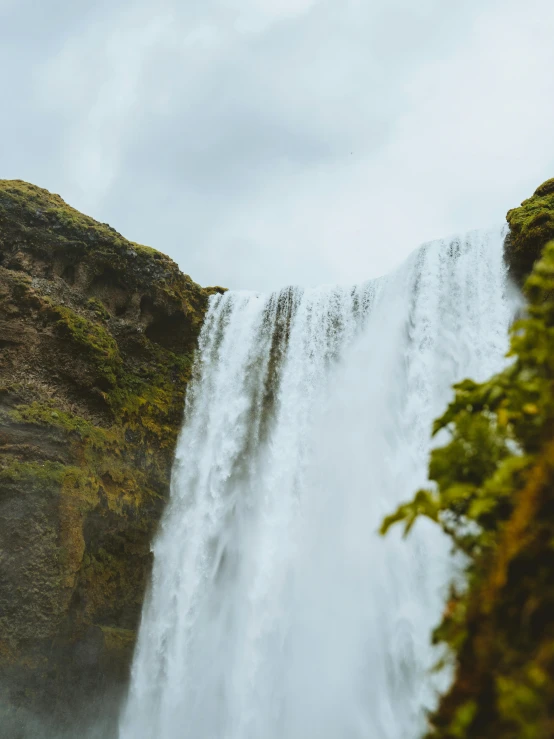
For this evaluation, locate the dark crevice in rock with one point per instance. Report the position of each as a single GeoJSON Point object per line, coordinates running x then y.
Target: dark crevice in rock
{"type": "Point", "coordinates": [68, 274]}
{"type": "Point", "coordinates": [169, 331]}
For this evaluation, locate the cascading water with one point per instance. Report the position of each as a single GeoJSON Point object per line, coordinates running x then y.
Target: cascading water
{"type": "Point", "coordinates": [276, 611]}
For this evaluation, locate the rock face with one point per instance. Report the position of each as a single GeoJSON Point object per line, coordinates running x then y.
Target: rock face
{"type": "Point", "coordinates": [531, 226]}
{"type": "Point", "coordinates": [97, 336]}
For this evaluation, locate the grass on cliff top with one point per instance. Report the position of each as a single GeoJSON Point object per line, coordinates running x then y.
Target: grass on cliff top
{"type": "Point", "coordinates": [33, 205]}
{"type": "Point", "coordinates": [44, 223]}
{"type": "Point", "coordinates": [531, 226]}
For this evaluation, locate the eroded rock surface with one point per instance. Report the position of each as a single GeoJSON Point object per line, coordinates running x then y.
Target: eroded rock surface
{"type": "Point", "coordinates": [97, 336]}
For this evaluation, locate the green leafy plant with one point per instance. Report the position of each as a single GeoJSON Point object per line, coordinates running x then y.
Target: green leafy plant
{"type": "Point", "coordinates": [494, 496]}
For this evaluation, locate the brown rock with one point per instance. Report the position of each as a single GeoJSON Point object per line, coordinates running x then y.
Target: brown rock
{"type": "Point", "coordinates": [97, 336]}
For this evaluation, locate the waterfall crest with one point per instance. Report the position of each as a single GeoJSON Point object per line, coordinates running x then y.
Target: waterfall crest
{"type": "Point", "coordinates": [275, 609]}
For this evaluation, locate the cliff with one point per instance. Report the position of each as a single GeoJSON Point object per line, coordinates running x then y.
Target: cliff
{"type": "Point", "coordinates": [97, 336]}
{"type": "Point", "coordinates": [531, 226]}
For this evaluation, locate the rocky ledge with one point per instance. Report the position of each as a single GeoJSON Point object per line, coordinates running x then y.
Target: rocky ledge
{"type": "Point", "coordinates": [531, 227]}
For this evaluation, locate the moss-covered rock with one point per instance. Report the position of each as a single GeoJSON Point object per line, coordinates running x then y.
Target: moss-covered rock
{"type": "Point", "coordinates": [97, 336]}
{"type": "Point", "coordinates": [531, 226]}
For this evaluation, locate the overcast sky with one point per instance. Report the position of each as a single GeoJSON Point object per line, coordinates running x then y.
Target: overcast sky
{"type": "Point", "coordinates": [267, 142]}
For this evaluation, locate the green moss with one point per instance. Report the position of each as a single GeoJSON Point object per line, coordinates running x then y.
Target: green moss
{"type": "Point", "coordinates": [37, 207]}
{"type": "Point", "coordinates": [81, 487]}
{"type": "Point", "coordinates": [91, 337]}
{"type": "Point", "coordinates": [53, 476]}
{"type": "Point", "coordinates": [35, 474]}
{"type": "Point", "coordinates": [150, 397]}
{"type": "Point", "coordinates": [47, 413]}
{"type": "Point", "coordinates": [107, 459]}
{"type": "Point", "coordinates": [147, 398]}
{"type": "Point", "coordinates": [531, 226]}
{"type": "Point", "coordinates": [98, 308]}
{"type": "Point", "coordinates": [148, 251]}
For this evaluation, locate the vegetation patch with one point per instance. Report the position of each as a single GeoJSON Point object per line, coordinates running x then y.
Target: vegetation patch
{"type": "Point", "coordinates": [494, 497]}
{"type": "Point", "coordinates": [531, 226]}
{"type": "Point", "coordinates": [91, 338]}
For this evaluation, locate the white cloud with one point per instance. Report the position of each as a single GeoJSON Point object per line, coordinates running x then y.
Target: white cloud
{"type": "Point", "coordinates": [254, 16]}
{"type": "Point", "coordinates": [94, 81]}
{"type": "Point", "coordinates": [262, 142]}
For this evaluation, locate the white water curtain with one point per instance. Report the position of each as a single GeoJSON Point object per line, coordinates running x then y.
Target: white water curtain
{"type": "Point", "coordinates": [276, 611]}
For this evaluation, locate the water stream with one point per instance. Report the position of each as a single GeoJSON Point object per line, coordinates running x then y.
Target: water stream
{"type": "Point", "coordinates": [276, 611]}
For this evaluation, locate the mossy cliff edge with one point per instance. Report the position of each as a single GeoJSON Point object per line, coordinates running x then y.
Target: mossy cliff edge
{"type": "Point", "coordinates": [531, 227]}
{"type": "Point", "coordinates": [97, 336]}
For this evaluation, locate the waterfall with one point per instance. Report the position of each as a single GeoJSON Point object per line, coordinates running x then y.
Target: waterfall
{"type": "Point", "coordinates": [276, 611]}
